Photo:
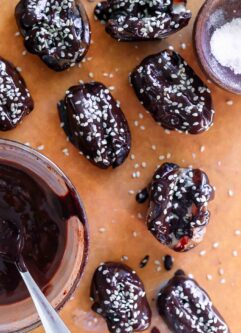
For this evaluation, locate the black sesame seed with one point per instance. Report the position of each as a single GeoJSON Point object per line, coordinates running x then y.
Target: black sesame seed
{"type": "Point", "coordinates": [142, 196]}
{"type": "Point", "coordinates": [168, 262]}
{"type": "Point", "coordinates": [144, 261]}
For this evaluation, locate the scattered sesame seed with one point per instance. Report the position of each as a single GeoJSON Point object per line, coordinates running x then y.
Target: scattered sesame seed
{"type": "Point", "coordinates": [209, 277]}
{"type": "Point", "coordinates": [65, 151]}
{"type": "Point", "coordinates": [131, 192]}
{"type": "Point", "coordinates": [41, 147]}
{"type": "Point", "coordinates": [140, 216]}
{"type": "Point", "coordinates": [223, 281]}
{"type": "Point", "coordinates": [229, 102]}
{"type": "Point", "coordinates": [215, 245]}
{"type": "Point", "coordinates": [203, 253]}
{"type": "Point", "coordinates": [132, 157]}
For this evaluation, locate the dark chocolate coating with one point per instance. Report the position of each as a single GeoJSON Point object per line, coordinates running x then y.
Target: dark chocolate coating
{"type": "Point", "coordinates": [15, 100]}
{"type": "Point", "coordinates": [186, 308]}
{"type": "Point", "coordinates": [178, 214]}
{"type": "Point", "coordinates": [34, 208]}
{"type": "Point", "coordinates": [128, 20]}
{"type": "Point", "coordinates": [174, 95]}
{"type": "Point", "coordinates": [58, 31]}
{"type": "Point", "coordinates": [95, 124]}
{"type": "Point", "coordinates": [119, 297]}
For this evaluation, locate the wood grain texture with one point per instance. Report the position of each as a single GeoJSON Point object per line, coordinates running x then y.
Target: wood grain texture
{"type": "Point", "coordinates": [105, 193]}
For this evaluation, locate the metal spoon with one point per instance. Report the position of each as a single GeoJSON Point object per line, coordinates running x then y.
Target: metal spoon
{"type": "Point", "coordinates": [11, 246]}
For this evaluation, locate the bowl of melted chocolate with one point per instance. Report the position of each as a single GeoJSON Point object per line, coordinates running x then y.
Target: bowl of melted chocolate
{"type": "Point", "coordinates": [37, 197]}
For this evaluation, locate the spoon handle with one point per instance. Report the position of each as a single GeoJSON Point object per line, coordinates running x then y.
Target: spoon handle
{"type": "Point", "coordinates": [50, 319]}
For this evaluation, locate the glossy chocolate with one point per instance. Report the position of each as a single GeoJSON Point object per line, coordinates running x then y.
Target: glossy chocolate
{"type": "Point", "coordinates": [95, 124]}
{"type": "Point", "coordinates": [58, 31]}
{"type": "Point", "coordinates": [28, 204]}
{"type": "Point", "coordinates": [174, 95]}
{"type": "Point", "coordinates": [11, 241]}
{"type": "Point", "coordinates": [178, 213]}
{"type": "Point", "coordinates": [187, 308]}
{"type": "Point", "coordinates": [15, 99]}
{"type": "Point", "coordinates": [119, 297]}
{"type": "Point", "coordinates": [134, 20]}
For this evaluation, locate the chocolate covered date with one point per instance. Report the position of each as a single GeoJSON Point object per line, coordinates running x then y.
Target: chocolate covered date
{"type": "Point", "coordinates": [174, 95]}
{"type": "Point", "coordinates": [58, 31]}
{"type": "Point", "coordinates": [133, 20]}
{"type": "Point", "coordinates": [178, 200]}
{"type": "Point", "coordinates": [15, 99]}
{"type": "Point", "coordinates": [186, 308]}
{"type": "Point", "coordinates": [119, 296]}
{"type": "Point", "coordinates": [95, 124]}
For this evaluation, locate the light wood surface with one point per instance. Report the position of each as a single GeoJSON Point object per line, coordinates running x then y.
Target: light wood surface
{"type": "Point", "coordinates": [105, 193]}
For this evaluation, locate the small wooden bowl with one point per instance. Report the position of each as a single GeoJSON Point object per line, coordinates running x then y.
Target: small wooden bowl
{"type": "Point", "coordinates": [213, 15]}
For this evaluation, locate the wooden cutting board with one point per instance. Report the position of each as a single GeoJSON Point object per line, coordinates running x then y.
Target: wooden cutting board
{"type": "Point", "coordinates": [116, 226]}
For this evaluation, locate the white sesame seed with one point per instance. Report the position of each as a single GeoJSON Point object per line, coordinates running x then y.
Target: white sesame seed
{"type": "Point", "coordinates": [215, 245]}
{"type": "Point", "coordinates": [209, 277]}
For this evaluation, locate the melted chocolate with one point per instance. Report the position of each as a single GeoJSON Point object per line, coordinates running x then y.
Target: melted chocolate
{"type": "Point", "coordinates": [58, 31]}
{"type": "Point", "coordinates": [186, 308]}
{"type": "Point", "coordinates": [15, 100]}
{"type": "Point", "coordinates": [11, 241]}
{"type": "Point", "coordinates": [178, 213]}
{"type": "Point", "coordinates": [174, 95]}
{"type": "Point", "coordinates": [28, 204]}
{"type": "Point", "coordinates": [95, 124]}
{"type": "Point", "coordinates": [129, 20]}
{"type": "Point", "coordinates": [119, 297]}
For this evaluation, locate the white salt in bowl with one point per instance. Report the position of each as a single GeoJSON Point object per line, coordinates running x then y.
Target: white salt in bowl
{"type": "Point", "coordinates": [212, 16]}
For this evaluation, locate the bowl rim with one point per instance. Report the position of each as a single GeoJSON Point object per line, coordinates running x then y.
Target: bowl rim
{"type": "Point", "coordinates": [39, 156]}
{"type": "Point", "coordinates": [200, 20]}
